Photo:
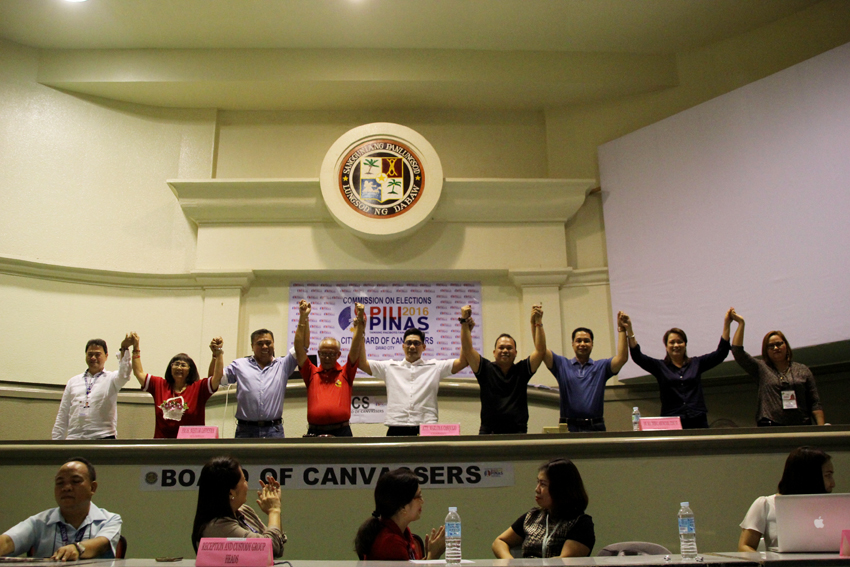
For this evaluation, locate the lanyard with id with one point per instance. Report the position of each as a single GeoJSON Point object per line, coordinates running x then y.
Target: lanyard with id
{"type": "Point", "coordinates": [789, 396]}
{"type": "Point", "coordinates": [78, 537]}
{"type": "Point", "coordinates": [89, 386]}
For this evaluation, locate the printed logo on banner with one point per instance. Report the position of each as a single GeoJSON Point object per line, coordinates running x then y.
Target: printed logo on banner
{"type": "Point", "coordinates": [345, 318]}
{"type": "Point", "coordinates": [381, 178]}
{"type": "Point", "coordinates": [339, 477]}
{"type": "Point", "coordinates": [368, 409]}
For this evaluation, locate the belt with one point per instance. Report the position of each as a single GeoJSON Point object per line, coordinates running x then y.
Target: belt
{"type": "Point", "coordinates": [327, 427]}
{"type": "Point", "coordinates": [582, 420]}
{"type": "Point", "coordinates": [277, 421]}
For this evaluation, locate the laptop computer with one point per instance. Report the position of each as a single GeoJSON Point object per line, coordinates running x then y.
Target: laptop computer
{"type": "Point", "coordinates": [811, 522]}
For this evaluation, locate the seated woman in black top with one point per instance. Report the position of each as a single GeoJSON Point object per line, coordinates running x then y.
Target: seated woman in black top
{"type": "Point", "coordinates": [558, 526]}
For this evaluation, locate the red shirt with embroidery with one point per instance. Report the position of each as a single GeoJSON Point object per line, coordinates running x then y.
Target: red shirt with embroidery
{"type": "Point", "coordinates": [393, 545]}
{"type": "Point", "coordinates": [328, 392]}
{"type": "Point", "coordinates": [195, 396]}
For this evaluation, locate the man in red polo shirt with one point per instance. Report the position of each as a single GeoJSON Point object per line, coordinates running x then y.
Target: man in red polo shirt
{"type": "Point", "coordinates": [329, 384]}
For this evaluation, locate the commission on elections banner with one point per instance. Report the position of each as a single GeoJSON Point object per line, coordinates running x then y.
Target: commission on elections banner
{"type": "Point", "coordinates": [391, 309]}
{"type": "Point", "coordinates": [347, 476]}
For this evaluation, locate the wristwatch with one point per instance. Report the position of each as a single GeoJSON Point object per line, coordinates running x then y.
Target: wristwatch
{"type": "Point", "coordinates": [80, 548]}
{"type": "Point", "coordinates": [463, 320]}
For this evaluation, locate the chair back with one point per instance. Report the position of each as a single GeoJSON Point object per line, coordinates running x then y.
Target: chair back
{"type": "Point", "coordinates": [121, 548]}
{"type": "Point", "coordinates": [633, 548]}
{"type": "Point", "coordinates": [421, 545]}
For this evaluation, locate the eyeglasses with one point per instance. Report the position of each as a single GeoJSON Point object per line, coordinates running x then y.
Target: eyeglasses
{"type": "Point", "coordinates": [413, 343]}
{"type": "Point", "coordinates": [327, 353]}
{"type": "Point", "coordinates": [775, 346]}
{"type": "Point", "coordinates": [179, 365]}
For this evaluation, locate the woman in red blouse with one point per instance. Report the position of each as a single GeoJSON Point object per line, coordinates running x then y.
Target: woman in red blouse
{"type": "Point", "coordinates": [180, 397]}
{"type": "Point", "coordinates": [385, 536]}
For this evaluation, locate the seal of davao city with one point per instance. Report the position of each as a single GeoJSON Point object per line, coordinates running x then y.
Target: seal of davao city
{"type": "Point", "coordinates": [381, 180]}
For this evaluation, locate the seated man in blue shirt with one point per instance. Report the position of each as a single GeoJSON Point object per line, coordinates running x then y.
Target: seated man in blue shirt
{"type": "Point", "coordinates": [77, 529]}
{"type": "Point", "coordinates": [582, 380]}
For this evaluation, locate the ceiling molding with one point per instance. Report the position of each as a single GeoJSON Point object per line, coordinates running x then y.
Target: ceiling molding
{"type": "Point", "coordinates": [236, 201]}
{"type": "Point", "coordinates": [199, 280]}
{"type": "Point", "coordinates": [345, 79]}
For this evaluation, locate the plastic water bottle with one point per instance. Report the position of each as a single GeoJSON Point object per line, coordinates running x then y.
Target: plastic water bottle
{"type": "Point", "coordinates": [635, 419]}
{"type": "Point", "coordinates": [687, 532]}
{"type": "Point", "coordinates": [452, 536]}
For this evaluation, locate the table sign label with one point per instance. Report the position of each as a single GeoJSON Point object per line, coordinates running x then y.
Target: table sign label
{"type": "Point", "coordinates": [439, 429]}
{"type": "Point", "coordinates": [660, 423]}
{"type": "Point", "coordinates": [245, 552]}
{"type": "Point", "coordinates": [197, 432]}
{"type": "Point", "coordinates": [845, 543]}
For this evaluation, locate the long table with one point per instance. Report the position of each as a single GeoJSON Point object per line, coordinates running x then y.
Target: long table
{"type": "Point", "coordinates": [730, 559]}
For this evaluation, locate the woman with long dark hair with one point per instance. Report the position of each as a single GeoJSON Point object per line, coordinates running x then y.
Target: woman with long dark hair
{"type": "Point", "coordinates": [679, 377]}
{"type": "Point", "coordinates": [386, 535]}
{"type": "Point", "coordinates": [180, 396]}
{"type": "Point", "coordinates": [787, 394]}
{"type": "Point", "coordinates": [557, 526]}
{"type": "Point", "coordinates": [808, 470]}
{"type": "Point", "coordinates": [222, 512]}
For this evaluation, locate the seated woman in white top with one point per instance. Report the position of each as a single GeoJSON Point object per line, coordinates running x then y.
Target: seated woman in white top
{"type": "Point", "coordinates": [808, 470]}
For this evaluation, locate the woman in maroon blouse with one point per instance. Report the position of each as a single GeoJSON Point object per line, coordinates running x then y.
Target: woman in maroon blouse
{"type": "Point", "coordinates": [385, 536]}
{"type": "Point", "coordinates": [180, 397]}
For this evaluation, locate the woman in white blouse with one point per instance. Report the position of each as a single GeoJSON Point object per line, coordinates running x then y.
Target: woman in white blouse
{"type": "Point", "coordinates": [808, 470]}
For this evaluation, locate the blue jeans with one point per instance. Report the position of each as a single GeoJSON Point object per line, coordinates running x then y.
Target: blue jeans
{"type": "Point", "coordinates": [254, 431]}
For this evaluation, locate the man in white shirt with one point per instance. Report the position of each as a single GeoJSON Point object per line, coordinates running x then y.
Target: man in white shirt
{"type": "Point", "coordinates": [412, 384]}
{"type": "Point", "coordinates": [76, 529]}
{"type": "Point", "coordinates": [89, 406]}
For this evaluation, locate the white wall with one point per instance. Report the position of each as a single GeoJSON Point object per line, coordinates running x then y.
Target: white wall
{"type": "Point", "coordinates": [82, 182]}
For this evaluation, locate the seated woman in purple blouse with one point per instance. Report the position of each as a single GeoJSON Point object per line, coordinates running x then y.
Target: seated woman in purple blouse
{"type": "Point", "coordinates": [680, 376]}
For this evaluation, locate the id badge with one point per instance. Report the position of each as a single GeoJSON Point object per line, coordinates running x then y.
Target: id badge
{"type": "Point", "coordinates": [789, 399]}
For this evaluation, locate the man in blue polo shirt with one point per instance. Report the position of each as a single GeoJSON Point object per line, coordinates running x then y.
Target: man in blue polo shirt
{"type": "Point", "coordinates": [581, 380]}
{"type": "Point", "coordinates": [261, 386]}
{"type": "Point", "coordinates": [76, 529]}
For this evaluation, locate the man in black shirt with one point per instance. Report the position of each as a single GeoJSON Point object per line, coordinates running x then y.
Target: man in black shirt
{"type": "Point", "coordinates": [503, 383]}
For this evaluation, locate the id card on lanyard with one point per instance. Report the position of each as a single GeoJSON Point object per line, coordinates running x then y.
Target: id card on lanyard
{"type": "Point", "coordinates": [89, 387]}
{"type": "Point", "coordinates": [789, 396]}
{"type": "Point", "coordinates": [789, 399]}
{"type": "Point", "coordinates": [63, 533]}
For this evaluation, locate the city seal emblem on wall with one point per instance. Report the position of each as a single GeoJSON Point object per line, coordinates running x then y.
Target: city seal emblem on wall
{"type": "Point", "coordinates": [381, 178]}
{"type": "Point", "coordinates": [381, 181]}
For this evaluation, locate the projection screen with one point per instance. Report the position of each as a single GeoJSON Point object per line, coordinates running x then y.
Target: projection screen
{"type": "Point", "coordinates": [741, 201]}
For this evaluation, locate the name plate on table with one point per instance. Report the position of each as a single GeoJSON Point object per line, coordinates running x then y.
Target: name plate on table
{"type": "Point", "coordinates": [197, 432]}
{"type": "Point", "coordinates": [245, 552]}
{"type": "Point", "coordinates": [434, 429]}
{"type": "Point", "coordinates": [845, 543]}
{"type": "Point", "coordinates": [660, 423]}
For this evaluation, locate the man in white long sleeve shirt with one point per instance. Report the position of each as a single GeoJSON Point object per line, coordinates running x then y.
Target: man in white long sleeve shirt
{"type": "Point", "coordinates": [89, 406]}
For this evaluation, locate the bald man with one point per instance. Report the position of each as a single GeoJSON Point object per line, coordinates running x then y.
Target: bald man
{"type": "Point", "coordinates": [329, 385]}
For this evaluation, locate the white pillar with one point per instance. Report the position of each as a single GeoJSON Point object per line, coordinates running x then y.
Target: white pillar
{"type": "Point", "coordinates": [542, 286]}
